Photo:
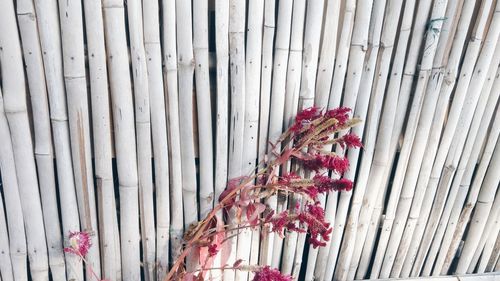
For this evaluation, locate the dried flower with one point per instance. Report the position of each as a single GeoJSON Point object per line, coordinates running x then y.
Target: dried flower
{"type": "Point", "coordinates": [270, 274]}
{"type": "Point", "coordinates": [79, 243]}
{"type": "Point", "coordinates": [341, 114]}
{"type": "Point", "coordinates": [318, 228]}
{"type": "Point", "coordinates": [213, 250]}
{"type": "Point", "coordinates": [350, 140]}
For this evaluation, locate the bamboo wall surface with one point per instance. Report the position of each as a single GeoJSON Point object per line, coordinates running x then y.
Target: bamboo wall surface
{"type": "Point", "coordinates": [127, 118]}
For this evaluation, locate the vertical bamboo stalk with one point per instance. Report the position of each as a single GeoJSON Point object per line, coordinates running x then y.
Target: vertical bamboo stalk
{"type": "Point", "coordinates": [222, 102]}
{"type": "Point", "coordinates": [13, 210]}
{"type": "Point", "coordinates": [328, 51]}
{"type": "Point", "coordinates": [487, 241]}
{"type": "Point", "coordinates": [266, 75]}
{"type": "Point", "coordinates": [43, 136]}
{"type": "Point", "coordinates": [204, 106]}
{"type": "Point", "coordinates": [50, 42]}
{"type": "Point", "coordinates": [265, 101]}
{"type": "Point", "coordinates": [78, 113]}
{"type": "Point", "coordinates": [253, 53]}
{"type": "Point", "coordinates": [124, 130]}
{"type": "Point", "coordinates": [151, 14]}
{"type": "Point", "coordinates": [143, 135]}
{"type": "Point", "coordinates": [176, 209]}
{"type": "Point", "coordinates": [101, 120]}
{"type": "Point", "coordinates": [290, 246]}
{"type": "Point", "coordinates": [6, 271]}
{"type": "Point", "coordinates": [15, 108]}
{"type": "Point", "coordinates": [185, 63]}
{"type": "Point", "coordinates": [281, 48]}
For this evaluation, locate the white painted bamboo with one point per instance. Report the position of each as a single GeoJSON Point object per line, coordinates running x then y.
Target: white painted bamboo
{"type": "Point", "coordinates": [204, 106]}
{"type": "Point", "coordinates": [101, 120]}
{"type": "Point", "coordinates": [222, 103]}
{"type": "Point", "coordinates": [185, 63]}
{"type": "Point", "coordinates": [50, 43]}
{"type": "Point", "coordinates": [417, 129]}
{"type": "Point", "coordinates": [407, 247]}
{"type": "Point", "coordinates": [266, 75]}
{"type": "Point", "coordinates": [265, 101]}
{"type": "Point", "coordinates": [43, 137]}
{"type": "Point", "coordinates": [311, 47]}
{"type": "Point", "coordinates": [13, 210]}
{"type": "Point", "coordinates": [152, 47]}
{"type": "Point", "coordinates": [333, 97]}
{"type": "Point", "coordinates": [70, 16]}
{"type": "Point", "coordinates": [489, 267]}
{"type": "Point", "coordinates": [482, 210]}
{"type": "Point", "coordinates": [294, 70]}
{"type": "Point", "coordinates": [328, 51]}
{"type": "Point", "coordinates": [271, 249]}
{"type": "Point", "coordinates": [461, 213]}
{"type": "Point", "coordinates": [237, 11]}
{"type": "Point", "coordinates": [487, 242]}
{"type": "Point", "coordinates": [176, 229]}
{"type": "Point", "coordinates": [15, 108]}
{"type": "Point", "coordinates": [248, 239]}
{"type": "Point", "coordinates": [143, 135]}
{"type": "Point", "coordinates": [485, 107]}
{"type": "Point", "coordinates": [5, 262]}
{"type": "Point", "coordinates": [370, 15]}
{"type": "Point", "coordinates": [371, 238]}
{"type": "Point", "coordinates": [124, 136]}
{"type": "Point", "coordinates": [478, 78]}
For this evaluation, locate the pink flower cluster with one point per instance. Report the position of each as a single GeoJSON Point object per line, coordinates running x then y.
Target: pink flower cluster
{"type": "Point", "coordinates": [270, 274]}
{"type": "Point", "coordinates": [79, 243]}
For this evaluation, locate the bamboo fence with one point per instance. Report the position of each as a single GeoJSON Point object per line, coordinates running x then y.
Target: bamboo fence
{"type": "Point", "coordinates": [126, 119]}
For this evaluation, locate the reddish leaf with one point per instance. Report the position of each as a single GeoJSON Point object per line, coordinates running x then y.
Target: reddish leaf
{"type": "Point", "coordinates": [253, 212]}
{"type": "Point", "coordinates": [237, 263]}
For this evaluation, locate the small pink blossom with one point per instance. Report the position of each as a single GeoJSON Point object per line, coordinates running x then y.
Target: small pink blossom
{"type": "Point", "coordinates": [79, 243]}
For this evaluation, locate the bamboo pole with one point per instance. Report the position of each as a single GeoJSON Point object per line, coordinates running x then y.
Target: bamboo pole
{"type": "Point", "coordinates": [333, 97]}
{"type": "Point", "coordinates": [124, 130]}
{"type": "Point", "coordinates": [143, 135]}
{"type": "Point", "coordinates": [266, 75]}
{"type": "Point", "coordinates": [477, 79]}
{"type": "Point", "coordinates": [312, 37]}
{"type": "Point", "coordinates": [70, 15]}
{"type": "Point", "coordinates": [152, 47]}
{"type": "Point", "coordinates": [487, 264]}
{"type": "Point", "coordinates": [176, 208]}
{"type": "Point", "coordinates": [6, 271]}
{"type": "Point", "coordinates": [15, 108]}
{"type": "Point", "coordinates": [245, 249]}
{"type": "Point", "coordinates": [291, 245]}
{"type": "Point", "coordinates": [487, 242]}
{"type": "Point", "coordinates": [13, 210]}
{"type": "Point", "coordinates": [102, 136]}
{"type": "Point", "coordinates": [185, 63]}
{"type": "Point", "coordinates": [485, 107]}
{"type": "Point", "coordinates": [204, 106]}
{"type": "Point", "coordinates": [43, 136]}
{"type": "Point", "coordinates": [328, 50]}
{"type": "Point", "coordinates": [222, 103]}
{"type": "Point", "coordinates": [482, 209]}
{"type": "Point", "coordinates": [271, 249]}
{"type": "Point", "coordinates": [50, 43]}
{"type": "Point", "coordinates": [407, 247]}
